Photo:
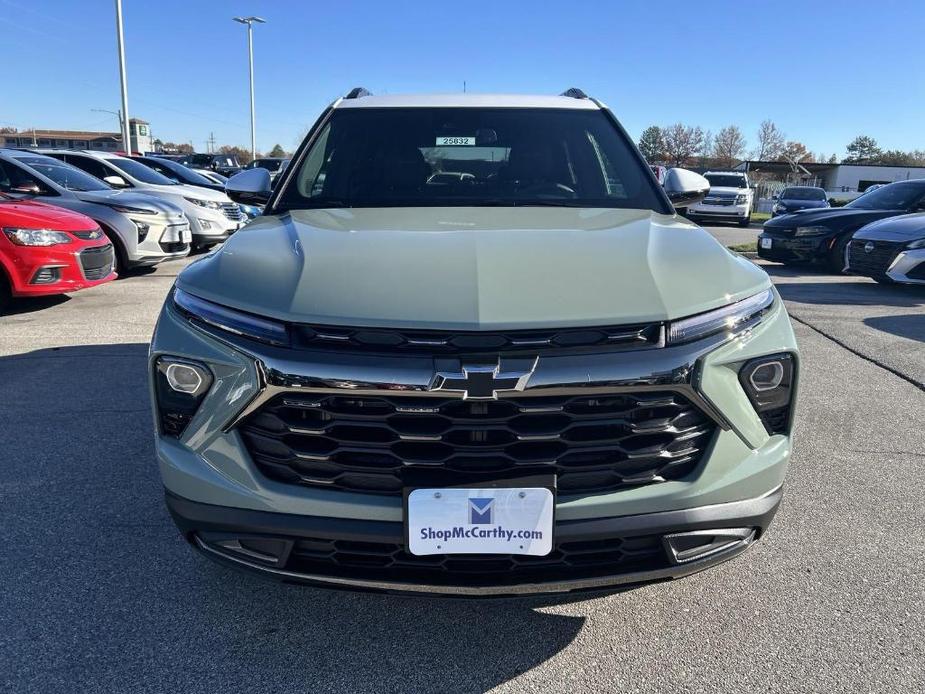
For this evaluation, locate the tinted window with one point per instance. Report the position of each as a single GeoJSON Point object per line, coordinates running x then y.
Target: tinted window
{"type": "Point", "coordinates": [803, 194]}
{"type": "Point", "coordinates": [398, 157]}
{"type": "Point", "coordinates": [897, 196]}
{"type": "Point", "coordinates": [173, 170]}
{"type": "Point", "coordinates": [65, 175]}
{"type": "Point", "coordinates": [725, 181]}
{"type": "Point", "coordinates": [12, 177]}
{"type": "Point", "coordinates": [94, 167]}
{"type": "Point", "coordinates": [140, 172]}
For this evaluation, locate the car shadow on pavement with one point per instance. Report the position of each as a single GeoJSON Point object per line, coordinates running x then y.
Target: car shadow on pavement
{"type": "Point", "coordinates": [30, 305]}
{"type": "Point", "coordinates": [99, 582]}
{"type": "Point", "coordinates": [910, 326]}
{"type": "Point", "coordinates": [842, 290]}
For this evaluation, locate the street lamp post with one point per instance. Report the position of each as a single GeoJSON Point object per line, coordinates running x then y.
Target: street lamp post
{"type": "Point", "coordinates": [249, 21]}
{"type": "Point", "coordinates": [126, 141]}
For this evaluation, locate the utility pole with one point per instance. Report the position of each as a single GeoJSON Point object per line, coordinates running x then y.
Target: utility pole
{"type": "Point", "coordinates": [126, 140]}
{"type": "Point", "coordinates": [249, 21]}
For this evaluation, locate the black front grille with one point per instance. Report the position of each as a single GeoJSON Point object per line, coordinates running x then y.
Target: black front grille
{"type": "Point", "coordinates": [96, 263]}
{"type": "Point", "coordinates": [875, 261]}
{"type": "Point", "coordinates": [467, 342]}
{"type": "Point", "coordinates": [390, 562]}
{"type": "Point", "coordinates": [379, 444]}
{"type": "Point", "coordinates": [723, 202]}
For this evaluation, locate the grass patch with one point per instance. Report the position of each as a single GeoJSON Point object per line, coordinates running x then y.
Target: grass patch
{"type": "Point", "coordinates": [750, 247]}
{"type": "Point", "coordinates": [761, 216]}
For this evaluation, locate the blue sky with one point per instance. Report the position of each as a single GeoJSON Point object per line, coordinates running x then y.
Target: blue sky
{"type": "Point", "coordinates": [824, 72]}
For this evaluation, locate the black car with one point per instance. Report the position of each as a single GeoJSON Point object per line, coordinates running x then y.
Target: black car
{"type": "Point", "coordinates": [797, 198]}
{"type": "Point", "coordinates": [225, 164]}
{"type": "Point", "coordinates": [177, 172]}
{"type": "Point", "coordinates": [890, 250]}
{"type": "Point", "coordinates": [821, 235]}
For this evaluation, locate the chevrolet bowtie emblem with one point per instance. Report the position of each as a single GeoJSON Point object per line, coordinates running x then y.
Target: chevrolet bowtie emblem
{"type": "Point", "coordinates": [482, 382]}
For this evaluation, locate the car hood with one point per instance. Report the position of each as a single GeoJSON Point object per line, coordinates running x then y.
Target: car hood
{"type": "Point", "coordinates": [834, 217]}
{"type": "Point", "coordinates": [907, 227]}
{"type": "Point", "coordinates": [38, 215]}
{"type": "Point", "coordinates": [129, 199]}
{"type": "Point", "coordinates": [472, 268]}
{"type": "Point", "coordinates": [189, 191]}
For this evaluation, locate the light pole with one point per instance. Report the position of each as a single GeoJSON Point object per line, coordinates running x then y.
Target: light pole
{"type": "Point", "coordinates": [117, 114]}
{"type": "Point", "coordinates": [126, 141]}
{"type": "Point", "coordinates": [249, 21]}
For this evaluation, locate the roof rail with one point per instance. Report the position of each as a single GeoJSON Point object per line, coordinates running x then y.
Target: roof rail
{"type": "Point", "coordinates": [574, 93]}
{"type": "Point", "coordinates": [357, 93]}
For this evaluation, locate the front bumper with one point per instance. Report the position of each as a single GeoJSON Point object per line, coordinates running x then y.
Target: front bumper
{"type": "Point", "coordinates": [64, 263]}
{"type": "Point", "coordinates": [215, 487]}
{"type": "Point", "coordinates": [790, 249]}
{"type": "Point", "coordinates": [723, 531]}
{"type": "Point", "coordinates": [734, 212]}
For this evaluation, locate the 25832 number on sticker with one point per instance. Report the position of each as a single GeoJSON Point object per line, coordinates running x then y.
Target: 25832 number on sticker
{"type": "Point", "coordinates": [455, 141]}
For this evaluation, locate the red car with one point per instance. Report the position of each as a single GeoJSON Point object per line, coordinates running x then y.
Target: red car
{"type": "Point", "coordinates": [48, 250]}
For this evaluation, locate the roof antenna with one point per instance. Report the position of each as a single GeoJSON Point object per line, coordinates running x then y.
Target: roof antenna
{"type": "Point", "coordinates": [464, 86]}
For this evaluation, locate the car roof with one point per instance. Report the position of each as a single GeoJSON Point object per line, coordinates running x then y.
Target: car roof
{"type": "Point", "coordinates": [805, 188]}
{"type": "Point", "coordinates": [467, 100]}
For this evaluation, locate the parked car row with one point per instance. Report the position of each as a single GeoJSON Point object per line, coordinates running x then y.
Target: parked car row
{"type": "Point", "coordinates": [144, 209]}
{"type": "Point", "coordinates": [881, 235]}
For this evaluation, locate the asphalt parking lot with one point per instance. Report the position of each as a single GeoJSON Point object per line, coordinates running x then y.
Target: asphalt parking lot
{"type": "Point", "coordinates": [100, 593]}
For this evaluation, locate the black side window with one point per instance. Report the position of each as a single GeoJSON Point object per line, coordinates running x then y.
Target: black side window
{"type": "Point", "coordinates": [15, 180]}
{"type": "Point", "coordinates": [91, 166]}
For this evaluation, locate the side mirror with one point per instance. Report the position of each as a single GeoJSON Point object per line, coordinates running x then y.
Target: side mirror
{"type": "Point", "coordinates": [251, 187]}
{"type": "Point", "coordinates": [685, 187]}
{"type": "Point", "coordinates": [116, 181]}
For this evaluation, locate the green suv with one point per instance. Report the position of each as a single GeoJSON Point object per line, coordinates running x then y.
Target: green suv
{"type": "Point", "coordinates": [470, 348]}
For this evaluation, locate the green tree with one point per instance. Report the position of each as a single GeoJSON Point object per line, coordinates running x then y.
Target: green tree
{"type": "Point", "coordinates": [862, 148]}
{"type": "Point", "coordinates": [652, 144]}
{"type": "Point", "coordinates": [277, 151]}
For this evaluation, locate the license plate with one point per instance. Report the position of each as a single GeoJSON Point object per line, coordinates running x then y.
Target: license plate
{"type": "Point", "coordinates": [766, 243]}
{"type": "Point", "coordinates": [476, 520]}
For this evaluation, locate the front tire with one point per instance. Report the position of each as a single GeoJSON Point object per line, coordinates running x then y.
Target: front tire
{"type": "Point", "coordinates": [747, 221]}
{"type": "Point", "coordinates": [835, 260]}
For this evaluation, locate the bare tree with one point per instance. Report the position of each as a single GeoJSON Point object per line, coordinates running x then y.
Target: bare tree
{"type": "Point", "coordinates": [796, 153]}
{"type": "Point", "coordinates": [682, 142]}
{"type": "Point", "coordinates": [728, 146]}
{"type": "Point", "coordinates": [770, 142]}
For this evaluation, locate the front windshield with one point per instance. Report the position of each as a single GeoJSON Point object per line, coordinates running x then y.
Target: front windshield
{"type": "Point", "coordinates": [725, 181]}
{"type": "Point", "coordinates": [140, 172]}
{"type": "Point", "coordinates": [896, 196]}
{"type": "Point", "coordinates": [65, 175]}
{"type": "Point", "coordinates": [803, 194]}
{"type": "Point", "coordinates": [392, 157]}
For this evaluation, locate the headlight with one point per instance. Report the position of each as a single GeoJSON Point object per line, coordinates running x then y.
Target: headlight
{"type": "Point", "coordinates": [741, 199]}
{"type": "Point", "coordinates": [131, 210]}
{"type": "Point", "coordinates": [36, 237]}
{"type": "Point", "coordinates": [729, 319]}
{"type": "Point", "coordinates": [229, 319]}
{"type": "Point", "coordinates": [208, 204]}
{"type": "Point", "coordinates": [811, 231]}
{"type": "Point", "coordinates": [916, 244]}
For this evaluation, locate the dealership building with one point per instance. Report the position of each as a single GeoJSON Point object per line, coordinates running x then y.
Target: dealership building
{"type": "Point", "coordinates": [139, 133]}
{"type": "Point", "coordinates": [846, 178]}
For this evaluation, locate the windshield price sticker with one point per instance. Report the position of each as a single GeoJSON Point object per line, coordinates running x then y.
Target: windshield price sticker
{"type": "Point", "coordinates": [455, 141]}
